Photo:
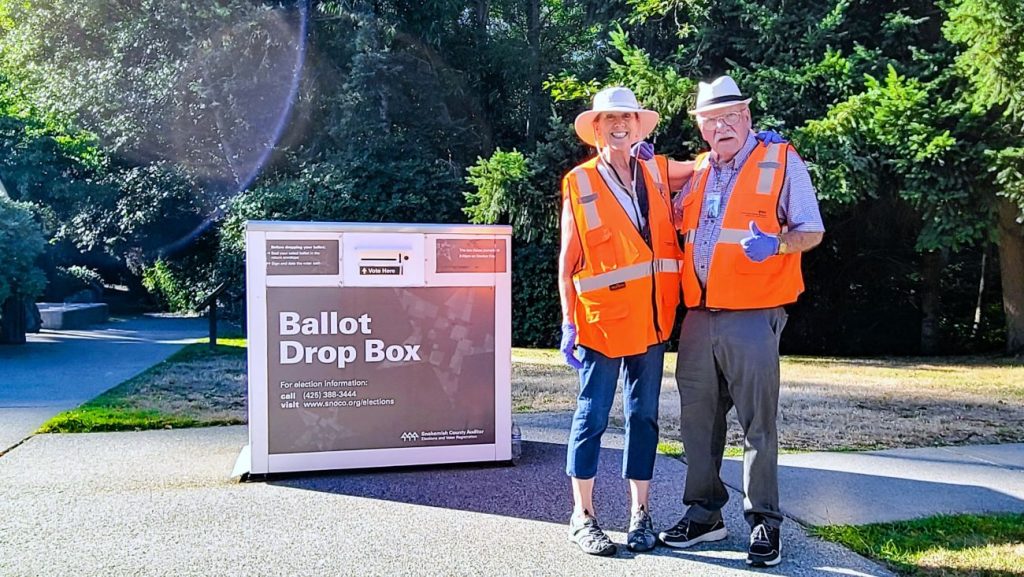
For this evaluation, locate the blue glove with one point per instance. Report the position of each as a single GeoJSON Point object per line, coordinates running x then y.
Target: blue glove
{"type": "Point", "coordinates": [568, 344]}
{"type": "Point", "coordinates": [771, 137]}
{"type": "Point", "coordinates": [643, 150]}
{"type": "Point", "coordinates": [759, 246]}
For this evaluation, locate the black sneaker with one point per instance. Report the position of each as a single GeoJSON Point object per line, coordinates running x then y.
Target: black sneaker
{"type": "Point", "coordinates": [589, 537]}
{"type": "Point", "coordinates": [687, 533]}
{"type": "Point", "coordinates": [765, 549]}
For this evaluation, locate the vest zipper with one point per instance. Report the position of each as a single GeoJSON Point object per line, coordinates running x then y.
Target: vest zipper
{"type": "Point", "coordinates": [654, 295]}
{"type": "Point", "coordinates": [704, 288]}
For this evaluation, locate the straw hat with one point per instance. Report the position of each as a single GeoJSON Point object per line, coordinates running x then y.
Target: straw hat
{"type": "Point", "coordinates": [614, 99]}
{"type": "Point", "coordinates": [719, 93]}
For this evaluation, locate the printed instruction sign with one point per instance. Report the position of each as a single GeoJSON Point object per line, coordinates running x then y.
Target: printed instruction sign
{"type": "Point", "coordinates": [459, 255]}
{"type": "Point", "coordinates": [380, 367]}
{"type": "Point", "coordinates": [302, 257]}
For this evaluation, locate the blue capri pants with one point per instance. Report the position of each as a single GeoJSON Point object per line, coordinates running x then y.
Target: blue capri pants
{"type": "Point", "coordinates": [640, 391]}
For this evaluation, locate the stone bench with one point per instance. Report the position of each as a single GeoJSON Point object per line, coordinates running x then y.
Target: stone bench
{"type": "Point", "coordinates": [69, 316]}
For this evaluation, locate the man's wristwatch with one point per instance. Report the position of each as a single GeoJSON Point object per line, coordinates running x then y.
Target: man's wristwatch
{"type": "Point", "coordinates": [783, 247]}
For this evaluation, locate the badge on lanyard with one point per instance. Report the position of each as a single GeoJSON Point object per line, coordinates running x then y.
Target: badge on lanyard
{"type": "Point", "coordinates": [714, 204]}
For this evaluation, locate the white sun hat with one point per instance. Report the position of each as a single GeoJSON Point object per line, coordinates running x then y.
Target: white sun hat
{"type": "Point", "coordinates": [719, 93]}
{"type": "Point", "coordinates": [614, 99]}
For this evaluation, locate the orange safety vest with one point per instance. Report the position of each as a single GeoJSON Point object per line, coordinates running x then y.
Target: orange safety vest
{"type": "Point", "coordinates": [626, 291]}
{"type": "Point", "coordinates": [735, 282]}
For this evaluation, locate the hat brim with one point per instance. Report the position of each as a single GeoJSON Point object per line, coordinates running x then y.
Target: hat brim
{"type": "Point", "coordinates": [718, 106]}
{"type": "Point", "coordinates": [585, 123]}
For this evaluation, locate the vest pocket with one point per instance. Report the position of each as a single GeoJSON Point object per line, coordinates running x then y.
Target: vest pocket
{"type": "Point", "coordinates": [602, 311]}
{"type": "Point", "coordinates": [772, 265]}
{"type": "Point", "coordinates": [681, 205]}
{"type": "Point", "coordinates": [602, 249]}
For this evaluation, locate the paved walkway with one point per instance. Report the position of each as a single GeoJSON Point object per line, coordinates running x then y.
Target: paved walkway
{"type": "Point", "coordinates": [59, 370]}
{"type": "Point", "coordinates": [873, 487]}
{"type": "Point", "coordinates": [161, 503]}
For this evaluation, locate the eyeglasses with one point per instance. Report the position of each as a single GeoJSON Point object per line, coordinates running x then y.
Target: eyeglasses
{"type": "Point", "coordinates": [729, 119]}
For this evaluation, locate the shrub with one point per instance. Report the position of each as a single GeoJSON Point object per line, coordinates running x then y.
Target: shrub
{"type": "Point", "coordinates": [21, 244]}
{"type": "Point", "coordinates": [163, 283]}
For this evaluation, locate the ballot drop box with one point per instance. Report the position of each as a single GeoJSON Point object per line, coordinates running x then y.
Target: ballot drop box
{"type": "Point", "coordinates": [375, 345]}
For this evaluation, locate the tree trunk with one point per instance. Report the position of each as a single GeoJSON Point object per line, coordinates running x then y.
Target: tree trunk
{"type": "Point", "coordinates": [1011, 272]}
{"type": "Point", "coordinates": [483, 8]}
{"type": "Point", "coordinates": [976, 325]}
{"type": "Point", "coordinates": [932, 264]}
{"type": "Point", "coordinates": [13, 321]}
{"type": "Point", "coordinates": [534, 117]}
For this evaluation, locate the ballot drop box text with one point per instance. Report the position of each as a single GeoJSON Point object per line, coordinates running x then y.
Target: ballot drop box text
{"type": "Point", "coordinates": [374, 345]}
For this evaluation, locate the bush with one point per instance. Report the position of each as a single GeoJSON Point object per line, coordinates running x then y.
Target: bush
{"type": "Point", "coordinates": [536, 311]}
{"type": "Point", "coordinates": [21, 244]}
{"type": "Point", "coordinates": [163, 283]}
{"type": "Point", "coordinates": [73, 282]}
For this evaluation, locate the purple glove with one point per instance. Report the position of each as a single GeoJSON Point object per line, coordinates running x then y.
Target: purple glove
{"type": "Point", "coordinates": [643, 150]}
{"type": "Point", "coordinates": [759, 246]}
{"type": "Point", "coordinates": [771, 137]}
{"type": "Point", "coordinates": [568, 344]}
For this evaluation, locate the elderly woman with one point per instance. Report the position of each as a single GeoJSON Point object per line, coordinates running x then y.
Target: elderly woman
{"type": "Point", "coordinates": [619, 288]}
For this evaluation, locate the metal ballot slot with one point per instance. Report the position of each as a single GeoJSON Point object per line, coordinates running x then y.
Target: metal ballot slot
{"type": "Point", "coordinates": [377, 345]}
{"type": "Point", "coordinates": [382, 262]}
{"type": "Point", "coordinates": [381, 259]}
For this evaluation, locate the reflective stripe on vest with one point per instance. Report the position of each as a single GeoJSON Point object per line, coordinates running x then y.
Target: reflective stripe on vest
{"type": "Point", "coordinates": [768, 167]}
{"type": "Point", "coordinates": [652, 169]}
{"type": "Point", "coordinates": [587, 199]}
{"type": "Point", "coordinates": [612, 277]}
{"type": "Point", "coordinates": [667, 265]}
{"type": "Point", "coordinates": [728, 235]}
{"type": "Point", "coordinates": [622, 275]}
{"type": "Point", "coordinates": [698, 171]}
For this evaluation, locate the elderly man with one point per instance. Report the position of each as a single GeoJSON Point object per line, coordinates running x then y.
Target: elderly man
{"type": "Point", "coordinates": [746, 214]}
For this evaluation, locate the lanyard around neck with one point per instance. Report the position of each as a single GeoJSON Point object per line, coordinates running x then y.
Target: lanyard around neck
{"type": "Point", "coordinates": [615, 174]}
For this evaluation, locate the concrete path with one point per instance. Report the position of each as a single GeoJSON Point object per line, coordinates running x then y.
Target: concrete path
{"type": "Point", "coordinates": [161, 503]}
{"type": "Point", "coordinates": [895, 485]}
{"type": "Point", "coordinates": [870, 487]}
{"type": "Point", "coordinates": [59, 370]}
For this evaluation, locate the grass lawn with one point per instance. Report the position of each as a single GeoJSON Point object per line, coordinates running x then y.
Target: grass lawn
{"type": "Point", "coordinates": [825, 403]}
{"type": "Point", "coordinates": [946, 546]}
{"type": "Point", "coordinates": [195, 387]}
{"type": "Point", "coordinates": [836, 404]}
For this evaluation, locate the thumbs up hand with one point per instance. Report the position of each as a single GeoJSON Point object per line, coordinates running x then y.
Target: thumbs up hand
{"type": "Point", "coordinates": [759, 246]}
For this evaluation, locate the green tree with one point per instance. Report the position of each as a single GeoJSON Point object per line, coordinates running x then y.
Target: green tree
{"type": "Point", "coordinates": [21, 279]}
{"type": "Point", "coordinates": [21, 243]}
{"type": "Point", "coordinates": [992, 34]}
{"type": "Point", "coordinates": [901, 137]}
{"type": "Point", "coordinates": [906, 144]}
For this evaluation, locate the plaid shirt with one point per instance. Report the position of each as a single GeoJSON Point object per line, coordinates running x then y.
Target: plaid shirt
{"type": "Point", "coordinates": [798, 203]}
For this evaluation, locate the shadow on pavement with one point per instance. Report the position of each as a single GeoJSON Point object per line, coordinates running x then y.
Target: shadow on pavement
{"type": "Point", "coordinates": [818, 497]}
{"type": "Point", "coordinates": [537, 488]}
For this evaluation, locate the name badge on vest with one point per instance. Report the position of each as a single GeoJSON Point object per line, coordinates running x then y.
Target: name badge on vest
{"type": "Point", "coordinates": [714, 204]}
{"type": "Point", "coordinates": [617, 286]}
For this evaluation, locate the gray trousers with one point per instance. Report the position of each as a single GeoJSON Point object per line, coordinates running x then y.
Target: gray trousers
{"type": "Point", "coordinates": [727, 359]}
